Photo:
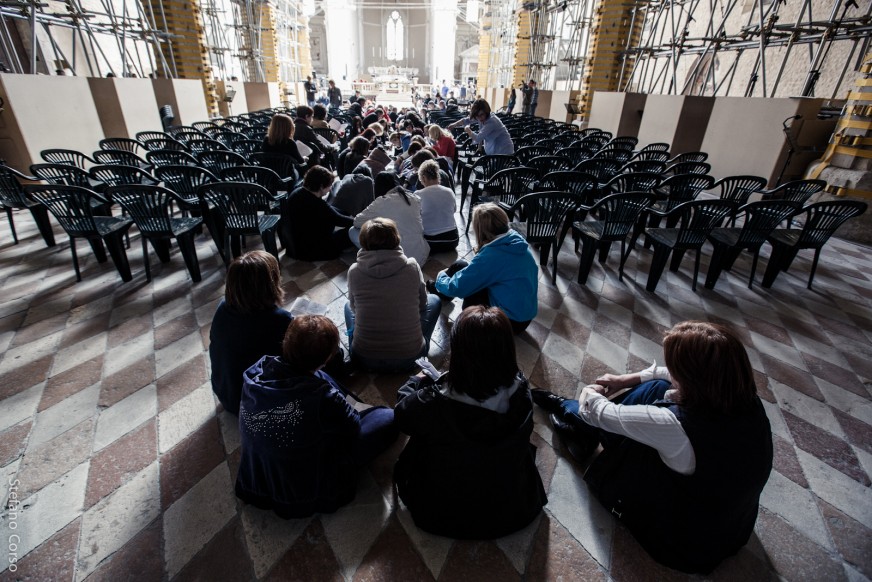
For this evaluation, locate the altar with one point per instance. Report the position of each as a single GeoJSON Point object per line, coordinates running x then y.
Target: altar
{"type": "Point", "coordinates": [390, 85]}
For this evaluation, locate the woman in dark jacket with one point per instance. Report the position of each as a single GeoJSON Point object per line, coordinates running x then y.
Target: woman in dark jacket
{"type": "Point", "coordinates": [302, 441]}
{"type": "Point", "coordinates": [687, 447]}
{"type": "Point", "coordinates": [468, 470]}
{"type": "Point", "coordinates": [280, 138]}
{"type": "Point", "coordinates": [312, 229]}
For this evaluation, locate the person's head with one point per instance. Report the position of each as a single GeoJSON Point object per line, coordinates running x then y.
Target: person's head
{"type": "Point", "coordinates": [319, 111]}
{"type": "Point", "coordinates": [317, 179]}
{"type": "Point", "coordinates": [368, 134]}
{"type": "Point", "coordinates": [414, 148]}
{"type": "Point", "coordinates": [377, 128]}
{"type": "Point", "coordinates": [419, 139]}
{"type": "Point", "coordinates": [384, 183]}
{"type": "Point", "coordinates": [254, 283]}
{"type": "Point", "coordinates": [436, 133]}
{"type": "Point", "coordinates": [308, 78]}
{"type": "Point", "coordinates": [379, 234]}
{"type": "Point", "coordinates": [532, 83]}
{"type": "Point", "coordinates": [489, 221]}
{"type": "Point", "coordinates": [332, 83]}
{"type": "Point", "coordinates": [421, 157]}
{"type": "Point", "coordinates": [396, 139]}
{"type": "Point", "coordinates": [482, 352]}
{"type": "Point", "coordinates": [281, 128]}
{"type": "Point", "coordinates": [361, 101]}
{"type": "Point", "coordinates": [359, 146]}
{"type": "Point", "coordinates": [479, 110]}
{"type": "Point", "coordinates": [428, 173]}
{"type": "Point", "coordinates": [311, 340]}
{"type": "Point", "coordinates": [710, 366]}
{"type": "Point", "coordinates": [305, 112]}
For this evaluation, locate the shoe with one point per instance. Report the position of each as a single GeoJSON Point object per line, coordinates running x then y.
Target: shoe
{"type": "Point", "coordinates": [547, 401]}
{"type": "Point", "coordinates": [430, 285]}
{"type": "Point", "coordinates": [580, 443]}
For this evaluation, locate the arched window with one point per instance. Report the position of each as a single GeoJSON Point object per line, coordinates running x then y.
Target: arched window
{"type": "Point", "coordinates": [394, 50]}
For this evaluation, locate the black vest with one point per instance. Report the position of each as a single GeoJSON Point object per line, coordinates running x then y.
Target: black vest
{"type": "Point", "coordinates": [690, 522]}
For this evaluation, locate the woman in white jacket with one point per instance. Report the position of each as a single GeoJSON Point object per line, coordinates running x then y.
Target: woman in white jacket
{"type": "Point", "coordinates": [392, 201]}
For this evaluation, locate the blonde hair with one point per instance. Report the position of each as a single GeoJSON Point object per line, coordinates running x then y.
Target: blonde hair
{"type": "Point", "coordinates": [429, 172]}
{"type": "Point", "coordinates": [436, 133]}
{"type": "Point", "coordinates": [377, 128]}
{"type": "Point", "coordinates": [281, 128]}
{"type": "Point", "coordinates": [489, 221]}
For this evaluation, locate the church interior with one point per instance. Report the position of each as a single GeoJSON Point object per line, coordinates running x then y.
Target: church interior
{"type": "Point", "coordinates": [119, 463]}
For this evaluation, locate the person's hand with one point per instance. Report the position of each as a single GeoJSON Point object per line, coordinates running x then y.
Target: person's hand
{"type": "Point", "coordinates": [618, 381]}
{"type": "Point", "coordinates": [598, 388]}
{"type": "Point", "coordinates": [468, 130]}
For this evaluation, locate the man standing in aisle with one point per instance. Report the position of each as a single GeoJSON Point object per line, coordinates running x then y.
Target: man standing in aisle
{"type": "Point", "coordinates": [311, 90]}
{"type": "Point", "coordinates": [534, 97]}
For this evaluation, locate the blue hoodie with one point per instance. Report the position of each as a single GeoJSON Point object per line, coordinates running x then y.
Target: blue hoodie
{"type": "Point", "coordinates": [507, 268]}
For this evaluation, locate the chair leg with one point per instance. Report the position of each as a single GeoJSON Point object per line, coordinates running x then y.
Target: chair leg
{"type": "Point", "coordinates": [624, 256]}
{"type": "Point", "coordinates": [544, 252]}
{"type": "Point", "coordinates": [604, 247]}
{"type": "Point", "coordinates": [40, 217]}
{"type": "Point", "coordinates": [189, 253]}
{"type": "Point", "coordinates": [716, 265]}
{"type": "Point", "coordinates": [730, 257]}
{"type": "Point", "coordinates": [588, 252]}
{"type": "Point", "coordinates": [145, 257]}
{"type": "Point", "coordinates": [12, 225]}
{"type": "Point", "coordinates": [269, 242]}
{"type": "Point", "coordinates": [162, 249]}
{"type": "Point", "coordinates": [228, 253]}
{"type": "Point", "coordinates": [677, 257]}
{"type": "Point", "coordinates": [115, 244]}
{"type": "Point", "coordinates": [776, 261]}
{"type": "Point", "coordinates": [814, 264]}
{"type": "Point", "coordinates": [754, 267]}
{"type": "Point", "coordinates": [75, 259]}
{"type": "Point", "coordinates": [696, 268]}
{"type": "Point", "coordinates": [99, 249]}
{"type": "Point", "coordinates": [658, 263]}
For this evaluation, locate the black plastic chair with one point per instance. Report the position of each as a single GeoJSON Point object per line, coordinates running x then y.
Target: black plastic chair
{"type": "Point", "coordinates": [617, 213]}
{"type": "Point", "coordinates": [13, 197]}
{"type": "Point", "coordinates": [632, 182]}
{"type": "Point", "coordinates": [144, 136]}
{"type": "Point", "coordinates": [527, 153]}
{"type": "Point", "coordinates": [258, 175]}
{"type": "Point", "coordinates": [543, 216]}
{"type": "Point", "coordinates": [695, 220]}
{"type": "Point", "coordinates": [483, 169]}
{"type": "Point", "coordinates": [505, 188]}
{"type": "Point", "coordinates": [165, 143]}
{"type": "Point", "coordinates": [123, 143]}
{"type": "Point", "coordinates": [238, 208]}
{"type": "Point", "coordinates": [246, 147]}
{"type": "Point", "coordinates": [673, 191]}
{"type": "Point", "coordinates": [62, 174]}
{"type": "Point", "coordinates": [117, 175]}
{"type": "Point", "coordinates": [170, 158]}
{"type": "Point", "coordinates": [119, 158]}
{"type": "Point", "coordinates": [150, 209]}
{"type": "Point", "coordinates": [701, 168]}
{"type": "Point", "coordinates": [688, 157]}
{"type": "Point", "coordinates": [72, 207]}
{"type": "Point", "coordinates": [796, 191]}
{"type": "Point", "coordinates": [185, 134]}
{"type": "Point", "coordinates": [761, 218]}
{"type": "Point", "coordinates": [656, 147]}
{"type": "Point", "coordinates": [651, 155]}
{"type": "Point", "coordinates": [285, 166]}
{"type": "Point", "coordinates": [822, 219]}
{"type": "Point", "coordinates": [739, 188]}
{"type": "Point", "coordinates": [648, 166]}
{"type": "Point", "coordinates": [603, 169]}
{"type": "Point", "coordinates": [67, 157]}
{"type": "Point", "coordinates": [547, 164]}
{"type": "Point", "coordinates": [201, 145]}
{"type": "Point", "coordinates": [217, 160]}
{"type": "Point", "coordinates": [627, 142]}
{"type": "Point", "coordinates": [185, 181]}
{"type": "Point", "coordinates": [614, 152]}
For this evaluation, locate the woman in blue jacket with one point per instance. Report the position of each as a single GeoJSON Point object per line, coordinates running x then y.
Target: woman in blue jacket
{"type": "Point", "coordinates": [502, 274]}
{"type": "Point", "coordinates": [302, 440]}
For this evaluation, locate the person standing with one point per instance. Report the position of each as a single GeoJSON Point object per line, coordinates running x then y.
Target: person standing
{"type": "Point", "coordinates": [527, 93]}
{"type": "Point", "coordinates": [334, 95]}
{"type": "Point", "coordinates": [311, 90]}
{"type": "Point", "coordinates": [491, 133]}
{"type": "Point", "coordinates": [513, 97]}
{"type": "Point", "coordinates": [534, 97]}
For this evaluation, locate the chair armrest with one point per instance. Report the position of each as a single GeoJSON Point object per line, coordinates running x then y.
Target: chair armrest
{"type": "Point", "coordinates": [21, 175]}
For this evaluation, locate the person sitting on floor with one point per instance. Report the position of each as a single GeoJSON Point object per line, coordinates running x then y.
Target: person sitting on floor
{"type": "Point", "coordinates": [687, 449]}
{"type": "Point", "coordinates": [352, 193]}
{"type": "Point", "coordinates": [314, 230]}
{"type": "Point", "coordinates": [469, 470]}
{"type": "Point", "coordinates": [503, 272]}
{"type": "Point", "coordinates": [248, 323]}
{"type": "Point", "coordinates": [389, 315]}
{"type": "Point", "coordinates": [302, 442]}
{"type": "Point", "coordinates": [438, 206]}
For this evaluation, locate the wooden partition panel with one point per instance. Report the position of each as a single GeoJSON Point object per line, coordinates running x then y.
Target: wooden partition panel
{"type": "Point", "coordinates": [186, 97]}
{"type": "Point", "coordinates": [618, 113]}
{"type": "Point", "coordinates": [125, 106]}
{"type": "Point", "coordinates": [679, 120]}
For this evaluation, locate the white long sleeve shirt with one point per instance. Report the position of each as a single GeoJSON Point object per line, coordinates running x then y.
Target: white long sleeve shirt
{"type": "Point", "coordinates": [654, 426]}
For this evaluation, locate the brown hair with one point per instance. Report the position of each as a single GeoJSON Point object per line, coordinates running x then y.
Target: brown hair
{"type": "Point", "coordinates": [379, 234]}
{"type": "Point", "coordinates": [421, 157]}
{"type": "Point", "coordinates": [281, 128]}
{"type": "Point", "coordinates": [414, 148]}
{"type": "Point", "coordinates": [429, 172]}
{"type": "Point", "coordinates": [311, 340]}
{"type": "Point", "coordinates": [377, 128]}
{"type": "Point", "coordinates": [304, 111]}
{"type": "Point", "coordinates": [316, 178]}
{"type": "Point", "coordinates": [488, 222]}
{"type": "Point", "coordinates": [359, 145]}
{"type": "Point", "coordinates": [254, 283]}
{"type": "Point", "coordinates": [710, 366]}
{"type": "Point", "coordinates": [319, 111]}
{"type": "Point", "coordinates": [482, 352]}
{"type": "Point", "coordinates": [479, 106]}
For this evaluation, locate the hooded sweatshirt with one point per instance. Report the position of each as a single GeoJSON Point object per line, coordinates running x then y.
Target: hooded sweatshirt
{"type": "Point", "coordinates": [377, 161]}
{"type": "Point", "coordinates": [386, 292]}
{"type": "Point", "coordinates": [408, 218]}
{"type": "Point", "coordinates": [507, 269]}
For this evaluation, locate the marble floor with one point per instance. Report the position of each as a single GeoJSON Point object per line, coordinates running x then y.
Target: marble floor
{"type": "Point", "coordinates": [116, 462]}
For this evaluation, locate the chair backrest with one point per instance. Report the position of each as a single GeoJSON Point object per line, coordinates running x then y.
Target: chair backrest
{"type": "Point", "coordinates": [697, 218]}
{"type": "Point", "coordinates": [614, 152]}
{"type": "Point", "coordinates": [70, 205]}
{"type": "Point", "coordinates": [552, 144]}
{"type": "Point", "coordinates": [650, 166]}
{"type": "Point", "coordinates": [652, 155]}
{"type": "Point", "coordinates": [633, 182]}
{"type": "Point", "coordinates": [618, 213]}
{"type": "Point", "coordinates": [577, 183]}
{"type": "Point", "coordinates": [625, 142]}
{"type": "Point", "coordinates": [689, 157]}
{"type": "Point", "coordinates": [601, 168]}
{"type": "Point", "coordinates": [544, 212]}
{"type": "Point", "coordinates": [69, 157]}
{"type": "Point", "coordinates": [796, 191]}
{"type": "Point", "coordinates": [283, 165]}
{"type": "Point", "coordinates": [739, 188]}
{"type": "Point", "coordinates": [123, 143]}
{"type": "Point", "coordinates": [487, 166]}
{"type": "Point", "coordinates": [116, 175]}
{"type": "Point", "coordinates": [144, 136]}
{"type": "Point", "coordinates": [118, 157]}
{"type": "Point", "coordinates": [656, 147]}
{"type": "Point", "coordinates": [548, 164]}
{"type": "Point", "coordinates": [527, 153]}
{"type": "Point", "coordinates": [185, 134]}
{"type": "Point", "coordinates": [511, 184]}
{"type": "Point", "coordinates": [215, 161]}
{"type": "Point", "coordinates": [246, 147]}
{"type": "Point", "coordinates": [184, 180]}
{"type": "Point", "coordinates": [205, 144]}
{"type": "Point", "coordinates": [170, 158]}
{"type": "Point", "coordinates": [761, 218]}
{"type": "Point", "coordinates": [255, 175]}
{"type": "Point", "coordinates": [205, 125]}
{"type": "Point", "coordinates": [164, 143]}
{"type": "Point", "coordinates": [147, 205]}
{"type": "Point", "coordinates": [11, 191]}
{"type": "Point", "coordinates": [61, 174]}
{"type": "Point", "coordinates": [688, 168]}
{"type": "Point", "coordinates": [237, 202]}
{"type": "Point", "coordinates": [597, 140]}
{"type": "Point", "coordinates": [822, 219]}
{"type": "Point", "coordinates": [684, 187]}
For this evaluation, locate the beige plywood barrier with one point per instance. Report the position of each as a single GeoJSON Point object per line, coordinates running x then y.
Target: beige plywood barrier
{"type": "Point", "coordinates": [262, 95]}
{"type": "Point", "coordinates": [125, 106]}
{"type": "Point", "coordinates": [42, 112]}
{"type": "Point", "coordinates": [186, 97]}
{"type": "Point", "coordinates": [678, 120]}
{"type": "Point", "coordinates": [239, 104]}
{"type": "Point", "coordinates": [618, 113]}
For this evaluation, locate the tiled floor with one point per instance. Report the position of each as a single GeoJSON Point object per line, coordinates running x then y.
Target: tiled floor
{"type": "Point", "coordinates": [115, 465]}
